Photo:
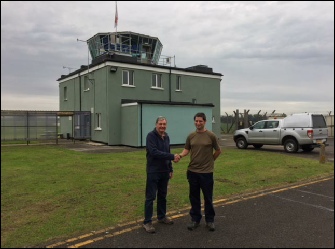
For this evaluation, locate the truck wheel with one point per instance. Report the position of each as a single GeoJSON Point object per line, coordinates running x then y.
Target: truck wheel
{"type": "Point", "coordinates": [258, 146]}
{"type": "Point", "coordinates": [307, 148]}
{"type": "Point", "coordinates": [291, 146]}
{"type": "Point", "coordinates": [241, 143]}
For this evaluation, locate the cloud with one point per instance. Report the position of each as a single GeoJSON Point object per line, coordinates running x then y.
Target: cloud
{"type": "Point", "coordinates": [273, 55]}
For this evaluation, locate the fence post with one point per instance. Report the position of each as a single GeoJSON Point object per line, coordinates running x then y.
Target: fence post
{"type": "Point", "coordinates": [236, 119]}
{"type": "Point", "coordinates": [246, 118]}
{"type": "Point", "coordinates": [322, 153]}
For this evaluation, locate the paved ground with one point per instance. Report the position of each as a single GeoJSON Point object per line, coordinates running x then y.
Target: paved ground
{"type": "Point", "coordinates": [295, 216]}
{"type": "Point", "coordinates": [225, 141]}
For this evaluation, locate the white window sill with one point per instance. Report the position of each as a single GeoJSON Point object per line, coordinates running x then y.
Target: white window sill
{"type": "Point", "coordinates": [157, 88]}
{"type": "Point", "coordinates": [127, 85]}
{"type": "Point", "coordinates": [98, 129]}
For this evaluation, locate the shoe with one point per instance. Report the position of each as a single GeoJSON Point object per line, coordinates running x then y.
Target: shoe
{"type": "Point", "coordinates": [149, 228]}
{"type": "Point", "coordinates": [166, 220]}
{"type": "Point", "coordinates": [193, 225]}
{"type": "Point", "coordinates": [210, 226]}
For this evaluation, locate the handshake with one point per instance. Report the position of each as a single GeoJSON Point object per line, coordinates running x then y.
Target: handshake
{"type": "Point", "coordinates": [177, 158]}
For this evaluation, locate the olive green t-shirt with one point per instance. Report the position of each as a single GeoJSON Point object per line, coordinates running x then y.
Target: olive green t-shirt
{"type": "Point", "coordinates": [201, 145]}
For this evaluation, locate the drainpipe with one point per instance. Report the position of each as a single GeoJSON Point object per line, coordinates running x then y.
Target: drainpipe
{"type": "Point", "coordinates": [141, 126]}
{"type": "Point", "coordinates": [79, 92]}
{"type": "Point", "coordinates": [170, 85]}
{"type": "Point", "coordinates": [107, 102]}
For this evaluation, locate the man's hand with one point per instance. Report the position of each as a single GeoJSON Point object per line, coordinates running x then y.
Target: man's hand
{"type": "Point", "coordinates": [176, 158]}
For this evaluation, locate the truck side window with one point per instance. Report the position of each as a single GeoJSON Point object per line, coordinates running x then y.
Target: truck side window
{"type": "Point", "coordinates": [259, 125]}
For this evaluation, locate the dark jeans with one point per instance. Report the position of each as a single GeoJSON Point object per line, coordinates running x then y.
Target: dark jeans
{"type": "Point", "coordinates": [156, 184]}
{"type": "Point", "coordinates": [204, 182]}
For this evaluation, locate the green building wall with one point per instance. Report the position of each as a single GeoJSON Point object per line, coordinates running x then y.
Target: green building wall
{"type": "Point", "coordinates": [106, 93]}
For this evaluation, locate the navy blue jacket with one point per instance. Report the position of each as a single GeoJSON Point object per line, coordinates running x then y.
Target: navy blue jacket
{"type": "Point", "coordinates": [158, 153]}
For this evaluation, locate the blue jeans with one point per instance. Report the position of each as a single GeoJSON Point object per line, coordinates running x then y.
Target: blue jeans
{"type": "Point", "coordinates": [204, 182]}
{"type": "Point", "coordinates": [156, 185]}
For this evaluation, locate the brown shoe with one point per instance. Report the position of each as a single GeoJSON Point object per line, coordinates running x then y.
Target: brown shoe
{"type": "Point", "coordinates": [149, 228]}
{"type": "Point", "coordinates": [166, 220]}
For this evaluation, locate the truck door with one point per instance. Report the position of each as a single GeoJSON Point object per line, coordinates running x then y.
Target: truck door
{"type": "Point", "coordinates": [271, 133]}
{"type": "Point", "coordinates": [256, 134]}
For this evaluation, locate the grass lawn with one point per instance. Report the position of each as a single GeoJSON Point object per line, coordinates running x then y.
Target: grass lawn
{"type": "Point", "coordinates": [50, 193]}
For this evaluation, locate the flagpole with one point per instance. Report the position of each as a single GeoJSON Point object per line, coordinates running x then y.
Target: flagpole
{"type": "Point", "coordinates": [115, 24]}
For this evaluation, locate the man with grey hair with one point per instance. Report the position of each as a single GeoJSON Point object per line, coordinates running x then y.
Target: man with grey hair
{"type": "Point", "coordinates": [159, 172]}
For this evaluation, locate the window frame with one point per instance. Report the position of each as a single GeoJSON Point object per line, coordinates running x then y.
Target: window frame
{"type": "Point", "coordinates": [86, 84]}
{"type": "Point", "coordinates": [154, 81]}
{"type": "Point", "coordinates": [178, 83]}
{"type": "Point", "coordinates": [98, 118]}
{"type": "Point", "coordinates": [130, 77]}
{"type": "Point", "coordinates": [65, 93]}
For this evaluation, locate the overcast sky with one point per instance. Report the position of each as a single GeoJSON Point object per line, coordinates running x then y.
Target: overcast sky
{"type": "Point", "coordinates": [273, 55]}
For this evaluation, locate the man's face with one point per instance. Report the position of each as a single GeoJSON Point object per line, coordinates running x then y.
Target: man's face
{"type": "Point", "coordinates": [161, 126]}
{"type": "Point", "coordinates": [199, 123]}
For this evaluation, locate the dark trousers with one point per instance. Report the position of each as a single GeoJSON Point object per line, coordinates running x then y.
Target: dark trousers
{"type": "Point", "coordinates": [156, 185]}
{"type": "Point", "coordinates": [205, 183]}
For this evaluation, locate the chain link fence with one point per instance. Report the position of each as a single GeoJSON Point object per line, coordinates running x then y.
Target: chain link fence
{"type": "Point", "coordinates": [29, 126]}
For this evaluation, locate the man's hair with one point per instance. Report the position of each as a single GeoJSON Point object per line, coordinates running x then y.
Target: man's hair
{"type": "Point", "coordinates": [159, 118]}
{"type": "Point", "coordinates": [200, 115]}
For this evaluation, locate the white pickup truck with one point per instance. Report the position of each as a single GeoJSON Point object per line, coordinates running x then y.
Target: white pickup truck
{"type": "Point", "coordinates": [298, 131]}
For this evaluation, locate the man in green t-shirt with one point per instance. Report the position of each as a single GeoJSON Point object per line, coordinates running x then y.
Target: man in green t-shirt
{"type": "Point", "coordinates": [204, 148]}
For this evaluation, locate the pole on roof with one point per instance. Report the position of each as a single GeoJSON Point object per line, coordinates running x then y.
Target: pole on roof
{"type": "Point", "coordinates": [116, 20]}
